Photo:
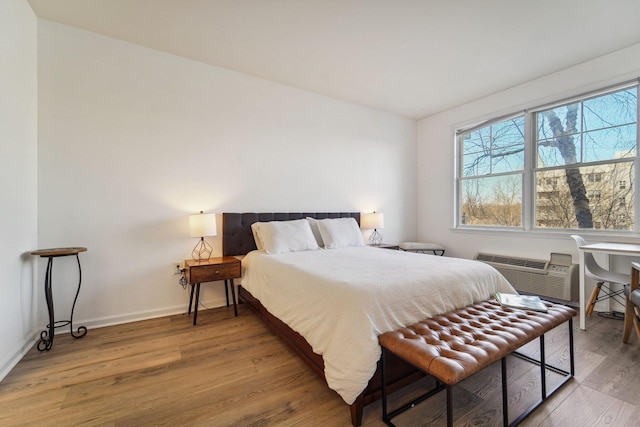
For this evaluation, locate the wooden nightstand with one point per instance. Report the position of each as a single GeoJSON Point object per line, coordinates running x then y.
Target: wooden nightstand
{"type": "Point", "coordinates": [212, 270]}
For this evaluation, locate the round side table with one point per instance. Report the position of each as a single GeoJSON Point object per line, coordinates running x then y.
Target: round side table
{"type": "Point", "coordinates": [46, 337]}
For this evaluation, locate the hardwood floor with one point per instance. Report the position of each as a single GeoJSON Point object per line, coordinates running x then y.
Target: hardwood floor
{"type": "Point", "coordinates": [231, 371]}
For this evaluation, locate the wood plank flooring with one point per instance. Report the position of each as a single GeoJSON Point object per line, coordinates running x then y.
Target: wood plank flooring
{"type": "Point", "coordinates": [231, 371]}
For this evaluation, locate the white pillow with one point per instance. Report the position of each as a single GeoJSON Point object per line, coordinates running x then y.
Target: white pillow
{"type": "Point", "coordinates": [287, 236]}
{"type": "Point", "coordinates": [340, 233]}
{"type": "Point", "coordinates": [255, 228]}
{"type": "Point", "coordinates": [316, 231]}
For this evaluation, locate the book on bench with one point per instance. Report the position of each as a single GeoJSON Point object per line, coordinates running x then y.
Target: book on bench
{"type": "Point", "coordinates": [527, 302]}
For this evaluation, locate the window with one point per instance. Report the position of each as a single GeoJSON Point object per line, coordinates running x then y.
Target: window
{"type": "Point", "coordinates": [593, 137]}
{"type": "Point", "coordinates": [594, 177]}
{"type": "Point", "coordinates": [492, 174]}
{"type": "Point", "coordinates": [593, 195]}
{"type": "Point", "coordinates": [575, 164]}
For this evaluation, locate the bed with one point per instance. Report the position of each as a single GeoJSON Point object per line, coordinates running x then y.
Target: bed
{"type": "Point", "coordinates": [329, 305]}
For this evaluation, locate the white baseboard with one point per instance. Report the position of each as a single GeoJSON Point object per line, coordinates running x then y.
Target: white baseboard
{"type": "Point", "coordinates": [102, 322]}
{"type": "Point", "coordinates": [10, 362]}
{"type": "Point", "coordinates": [146, 315]}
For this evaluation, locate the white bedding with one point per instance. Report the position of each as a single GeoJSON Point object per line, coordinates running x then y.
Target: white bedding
{"type": "Point", "coordinates": [340, 300]}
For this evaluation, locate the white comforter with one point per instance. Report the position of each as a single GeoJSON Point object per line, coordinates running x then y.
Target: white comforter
{"type": "Point", "coordinates": [340, 300]}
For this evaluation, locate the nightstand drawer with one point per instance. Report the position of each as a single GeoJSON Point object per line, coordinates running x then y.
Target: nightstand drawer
{"type": "Point", "coordinates": [211, 273]}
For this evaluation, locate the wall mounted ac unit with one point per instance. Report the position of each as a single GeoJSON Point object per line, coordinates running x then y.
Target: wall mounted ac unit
{"type": "Point", "coordinates": [557, 278]}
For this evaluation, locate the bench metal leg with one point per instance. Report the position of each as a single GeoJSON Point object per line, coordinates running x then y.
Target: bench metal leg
{"type": "Point", "coordinates": [387, 416]}
{"type": "Point", "coordinates": [571, 354]}
{"type": "Point", "coordinates": [383, 386]}
{"type": "Point", "coordinates": [543, 369]}
{"type": "Point", "coordinates": [546, 367]}
{"type": "Point", "coordinates": [505, 394]}
{"type": "Point", "coordinates": [449, 405]}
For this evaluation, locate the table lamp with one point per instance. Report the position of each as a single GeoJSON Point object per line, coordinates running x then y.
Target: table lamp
{"type": "Point", "coordinates": [373, 220]}
{"type": "Point", "coordinates": [202, 225]}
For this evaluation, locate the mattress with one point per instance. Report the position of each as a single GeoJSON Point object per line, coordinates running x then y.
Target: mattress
{"type": "Point", "coordinates": [340, 300]}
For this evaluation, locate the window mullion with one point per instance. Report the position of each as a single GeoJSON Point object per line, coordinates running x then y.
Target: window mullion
{"type": "Point", "coordinates": [581, 132]}
{"type": "Point", "coordinates": [635, 193]}
{"type": "Point", "coordinates": [528, 180]}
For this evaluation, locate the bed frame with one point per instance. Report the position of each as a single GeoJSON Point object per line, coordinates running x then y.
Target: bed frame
{"type": "Point", "coordinates": [237, 239]}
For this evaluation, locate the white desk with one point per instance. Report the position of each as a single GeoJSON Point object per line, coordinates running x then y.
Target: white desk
{"type": "Point", "coordinates": [605, 248]}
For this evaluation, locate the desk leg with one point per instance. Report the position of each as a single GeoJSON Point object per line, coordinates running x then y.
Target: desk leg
{"type": "Point", "coordinates": [195, 310]}
{"type": "Point", "coordinates": [582, 302]}
{"type": "Point", "coordinates": [233, 295]}
{"type": "Point", "coordinates": [46, 337]}
{"type": "Point", "coordinates": [226, 291]}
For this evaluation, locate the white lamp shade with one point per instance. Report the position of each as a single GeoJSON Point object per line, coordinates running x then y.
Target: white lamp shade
{"type": "Point", "coordinates": [371, 220]}
{"type": "Point", "coordinates": [201, 225]}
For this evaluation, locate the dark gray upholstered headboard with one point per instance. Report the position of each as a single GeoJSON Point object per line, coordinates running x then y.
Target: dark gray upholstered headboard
{"type": "Point", "coordinates": [237, 237]}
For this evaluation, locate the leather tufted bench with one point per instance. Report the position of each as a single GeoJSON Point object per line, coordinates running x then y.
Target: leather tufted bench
{"type": "Point", "coordinates": [455, 345]}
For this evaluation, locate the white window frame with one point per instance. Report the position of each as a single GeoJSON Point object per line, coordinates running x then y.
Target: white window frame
{"type": "Point", "coordinates": [459, 172]}
{"type": "Point", "coordinates": [529, 173]}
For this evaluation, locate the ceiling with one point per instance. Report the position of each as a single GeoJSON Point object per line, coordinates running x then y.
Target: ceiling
{"type": "Point", "coordinates": [410, 57]}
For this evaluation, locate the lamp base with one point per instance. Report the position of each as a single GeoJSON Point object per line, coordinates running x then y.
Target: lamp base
{"type": "Point", "coordinates": [202, 251]}
{"type": "Point", "coordinates": [375, 238]}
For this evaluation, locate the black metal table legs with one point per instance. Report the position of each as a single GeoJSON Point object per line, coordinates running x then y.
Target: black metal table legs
{"type": "Point", "coordinates": [194, 303]}
{"type": "Point", "coordinates": [46, 337]}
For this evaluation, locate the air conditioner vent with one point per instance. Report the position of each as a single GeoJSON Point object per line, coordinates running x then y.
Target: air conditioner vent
{"type": "Point", "coordinates": [535, 277]}
{"type": "Point", "coordinates": [517, 262]}
{"type": "Point", "coordinates": [484, 257]}
{"type": "Point", "coordinates": [540, 265]}
{"type": "Point", "coordinates": [501, 260]}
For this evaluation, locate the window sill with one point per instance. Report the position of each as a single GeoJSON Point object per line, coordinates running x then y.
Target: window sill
{"type": "Point", "coordinates": [600, 235]}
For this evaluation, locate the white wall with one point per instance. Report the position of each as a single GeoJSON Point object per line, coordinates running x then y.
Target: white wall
{"type": "Point", "coordinates": [18, 169]}
{"type": "Point", "coordinates": [132, 140]}
{"type": "Point", "coordinates": [436, 151]}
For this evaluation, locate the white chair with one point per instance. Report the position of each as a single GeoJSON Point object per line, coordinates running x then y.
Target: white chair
{"type": "Point", "coordinates": [601, 276]}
